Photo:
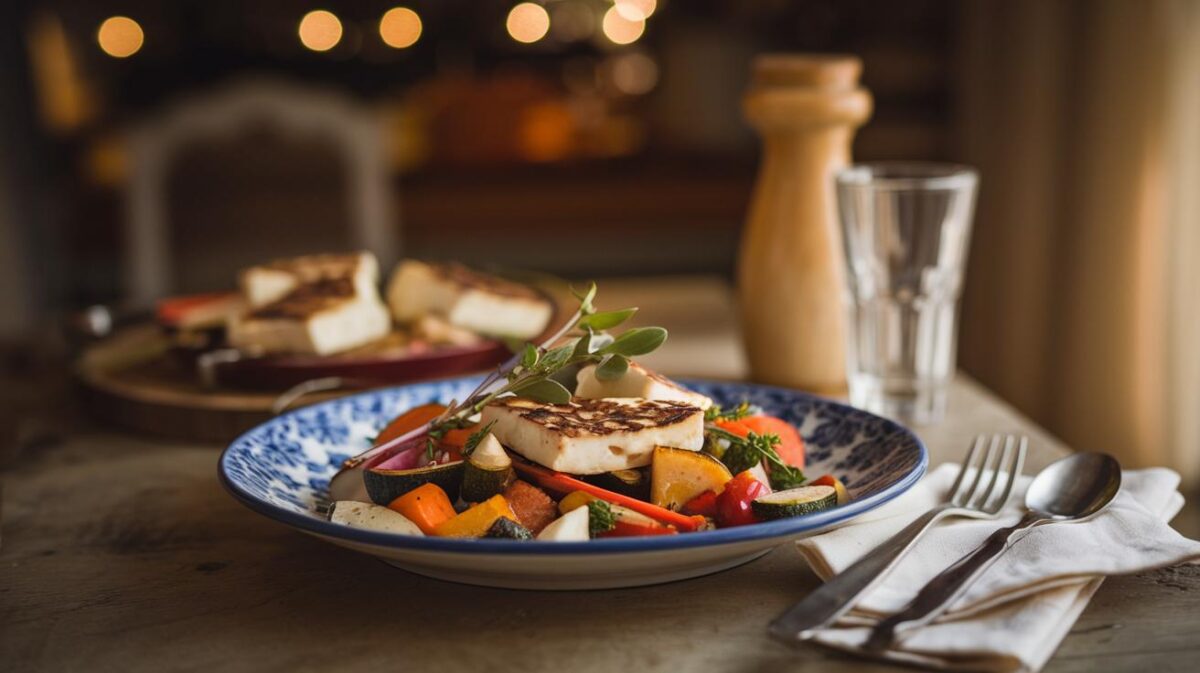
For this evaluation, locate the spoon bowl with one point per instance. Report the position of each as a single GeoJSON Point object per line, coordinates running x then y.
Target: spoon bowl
{"type": "Point", "coordinates": [1074, 487]}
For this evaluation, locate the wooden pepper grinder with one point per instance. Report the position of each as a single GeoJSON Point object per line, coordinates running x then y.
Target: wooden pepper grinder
{"type": "Point", "coordinates": [790, 267]}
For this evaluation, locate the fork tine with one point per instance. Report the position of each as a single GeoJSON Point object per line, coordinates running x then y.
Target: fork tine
{"type": "Point", "coordinates": [1003, 466]}
{"type": "Point", "coordinates": [987, 458]}
{"type": "Point", "coordinates": [966, 464]}
{"type": "Point", "coordinates": [980, 500]}
{"type": "Point", "coordinates": [1015, 471]}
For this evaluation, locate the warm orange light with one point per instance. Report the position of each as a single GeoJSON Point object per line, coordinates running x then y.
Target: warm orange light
{"type": "Point", "coordinates": [636, 10]}
{"type": "Point", "coordinates": [320, 30]}
{"type": "Point", "coordinates": [528, 22]}
{"type": "Point", "coordinates": [400, 27]}
{"type": "Point", "coordinates": [621, 30]}
{"type": "Point", "coordinates": [120, 36]}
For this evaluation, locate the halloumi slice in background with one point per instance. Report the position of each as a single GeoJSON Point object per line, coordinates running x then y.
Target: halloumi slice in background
{"type": "Point", "coordinates": [320, 318]}
{"type": "Point", "coordinates": [273, 281]}
{"type": "Point", "coordinates": [467, 299]}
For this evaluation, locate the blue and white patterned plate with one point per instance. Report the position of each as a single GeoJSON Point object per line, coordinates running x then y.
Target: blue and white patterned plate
{"type": "Point", "coordinates": [282, 469]}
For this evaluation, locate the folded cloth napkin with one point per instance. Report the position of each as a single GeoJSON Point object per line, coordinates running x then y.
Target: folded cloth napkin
{"type": "Point", "coordinates": [1014, 616]}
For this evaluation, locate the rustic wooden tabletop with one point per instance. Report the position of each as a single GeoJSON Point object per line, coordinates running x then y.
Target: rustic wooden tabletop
{"type": "Point", "coordinates": [123, 553]}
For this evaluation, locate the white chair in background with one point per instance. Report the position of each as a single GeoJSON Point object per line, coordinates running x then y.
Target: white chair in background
{"type": "Point", "coordinates": [355, 132]}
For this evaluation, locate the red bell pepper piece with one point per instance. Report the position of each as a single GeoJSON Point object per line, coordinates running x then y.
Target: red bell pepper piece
{"type": "Point", "coordinates": [704, 504]}
{"type": "Point", "coordinates": [733, 504]}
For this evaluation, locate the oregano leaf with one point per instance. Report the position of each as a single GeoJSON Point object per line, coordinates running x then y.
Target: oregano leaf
{"type": "Point", "coordinates": [612, 367]}
{"type": "Point", "coordinates": [607, 319]}
{"type": "Point", "coordinates": [544, 390]}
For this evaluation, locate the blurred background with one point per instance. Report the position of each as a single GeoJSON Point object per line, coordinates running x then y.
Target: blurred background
{"type": "Point", "coordinates": [149, 148]}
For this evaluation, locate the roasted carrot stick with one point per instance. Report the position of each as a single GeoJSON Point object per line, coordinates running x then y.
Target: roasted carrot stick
{"type": "Point", "coordinates": [562, 483]}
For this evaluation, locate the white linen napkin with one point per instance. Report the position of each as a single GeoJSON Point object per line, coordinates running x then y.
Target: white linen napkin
{"type": "Point", "coordinates": [1015, 615]}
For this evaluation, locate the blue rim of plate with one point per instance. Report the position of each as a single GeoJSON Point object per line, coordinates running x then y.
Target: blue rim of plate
{"type": "Point", "coordinates": [721, 536]}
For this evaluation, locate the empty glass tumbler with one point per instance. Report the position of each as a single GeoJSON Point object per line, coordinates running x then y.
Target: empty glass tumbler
{"type": "Point", "coordinates": [906, 228]}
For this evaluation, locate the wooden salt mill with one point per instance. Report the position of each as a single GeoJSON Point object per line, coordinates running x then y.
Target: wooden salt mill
{"type": "Point", "coordinates": [790, 267]}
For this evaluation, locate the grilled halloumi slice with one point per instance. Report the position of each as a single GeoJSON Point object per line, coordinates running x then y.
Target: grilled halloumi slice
{"type": "Point", "coordinates": [319, 318]}
{"type": "Point", "coordinates": [637, 381]}
{"type": "Point", "coordinates": [594, 436]}
{"type": "Point", "coordinates": [271, 282]}
{"type": "Point", "coordinates": [474, 301]}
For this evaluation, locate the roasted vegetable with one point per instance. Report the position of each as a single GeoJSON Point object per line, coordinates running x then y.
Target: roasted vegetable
{"type": "Point", "coordinates": [427, 506]}
{"type": "Point", "coordinates": [794, 502]}
{"type": "Point", "coordinates": [476, 521]}
{"type": "Point", "coordinates": [628, 523]}
{"type": "Point", "coordinates": [558, 482]}
{"type": "Point", "coordinates": [508, 529]}
{"type": "Point", "coordinates": [608, 520]}
{"type": "Point", "coordinates": [678, 475]}
{"type": "Point", "coordinates": [408, 421]}
{"type": "Point", "coordinates": [790, 447]}
{"type": "Point", "coordinates": [570, 527]}
{"type": "Point", "coordinates": [488, 471]}
{"type": "Point", "coordinates": [634, 483]}
{"type": "Point", "coordinates": [384, 485]}
{"type": "Point", "coordinates": [535, 510]}
{"type": "Point", "coordinates": [734, 504]}
{"type": "Point", "coordinates": [372, 517]}
{"type": "Point", "coordinates": [704, 504]}
{"type": "Point", "coordinates": [843, 496]}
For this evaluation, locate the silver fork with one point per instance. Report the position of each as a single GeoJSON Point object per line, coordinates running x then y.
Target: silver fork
{"type": "Point", "coordinates": [1003, 457]}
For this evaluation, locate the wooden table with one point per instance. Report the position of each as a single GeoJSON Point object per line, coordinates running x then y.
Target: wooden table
{"type": "Point", "coordinates": [122, 553]}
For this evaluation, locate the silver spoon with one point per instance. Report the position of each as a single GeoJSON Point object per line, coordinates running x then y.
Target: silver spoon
{"type": "Point", "coordinates": [1070, 489]}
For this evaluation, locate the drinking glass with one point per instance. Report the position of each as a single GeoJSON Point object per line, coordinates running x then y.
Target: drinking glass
{"type": "Point", "coordinates": [905, 227]}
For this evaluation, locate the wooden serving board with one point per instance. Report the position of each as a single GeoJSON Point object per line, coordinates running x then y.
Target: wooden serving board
{"type": "Point", "coordinates": [131, 381]}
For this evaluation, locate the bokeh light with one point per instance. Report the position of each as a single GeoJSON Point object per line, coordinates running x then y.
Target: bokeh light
{"type": "Point", "coordinates": [633, 73]}
{"type": "Point", "coordinates": [636, 10]}
{"type": "Point", "coordinates": [320, 30]}
{"type": "Point", "coordinates": [400, 27]}
{"type": "Point", "coordinates": [120, 36]}
{"type": "Point", "coordinates": [620, 30]}
{"type": "Point", "coordinates": [528, 22]}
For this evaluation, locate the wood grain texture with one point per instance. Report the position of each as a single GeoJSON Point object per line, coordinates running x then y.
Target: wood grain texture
{"type": "Point", "coordinates": [124, 554]}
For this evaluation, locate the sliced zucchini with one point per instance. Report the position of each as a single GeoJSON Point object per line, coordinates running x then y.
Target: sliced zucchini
{"type": "Point", "coordinates": [385, 486]}
{"type": "Point", "coordinates": [488, 471]}
{"type": "Point", "coordinates": [372, 517]}
{"type": "Point", "coordinates": [633, 483]}
{"type": "Point", "coordinates": [794, 502]}
{"type": "Point", "coordinates": [508, 529]}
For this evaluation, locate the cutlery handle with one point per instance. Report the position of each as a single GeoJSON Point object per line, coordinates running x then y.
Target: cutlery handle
{"type": "Point", "coordinates": [835, 597]}
{"type": "Point", "coordinates": [941, 591]}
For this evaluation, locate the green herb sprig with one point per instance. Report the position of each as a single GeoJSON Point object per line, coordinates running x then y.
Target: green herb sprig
{"type": "Point", "coordinates": [601, 518]}
{"type": "Point", "coordinates": [475, 438]}
{"type": "Point", "coordinates": [716, 414]}
{"type": "Point", "coordinates": [743, 453]}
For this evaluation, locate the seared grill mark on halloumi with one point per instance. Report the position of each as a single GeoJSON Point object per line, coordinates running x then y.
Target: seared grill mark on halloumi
{"type": "Point", "coordinates": [594, 436]}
